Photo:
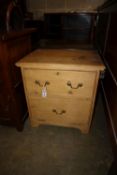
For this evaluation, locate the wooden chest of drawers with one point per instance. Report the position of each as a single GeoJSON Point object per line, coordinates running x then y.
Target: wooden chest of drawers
{"type": "Point", "coordinates": [60, 86]}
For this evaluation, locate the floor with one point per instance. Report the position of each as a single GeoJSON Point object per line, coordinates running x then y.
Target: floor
{"type": "Point", "coordinates": [50, 150]}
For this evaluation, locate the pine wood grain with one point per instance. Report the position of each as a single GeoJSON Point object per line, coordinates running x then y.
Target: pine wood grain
{"type": "Point", "coordinates": [65, 104]}
{"type": "Point", "coordinates": [63, 59]}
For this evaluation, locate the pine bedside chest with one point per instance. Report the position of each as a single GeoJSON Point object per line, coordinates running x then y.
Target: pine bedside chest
{"type": "Point", "coordinates": [60, 86]}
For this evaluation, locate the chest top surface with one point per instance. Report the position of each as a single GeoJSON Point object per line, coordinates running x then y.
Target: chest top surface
{"type": "Point", "coordinates": [62, 59]}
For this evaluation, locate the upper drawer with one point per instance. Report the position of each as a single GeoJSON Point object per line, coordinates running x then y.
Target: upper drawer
{"type": "Point", "coordinates": [40, 83]}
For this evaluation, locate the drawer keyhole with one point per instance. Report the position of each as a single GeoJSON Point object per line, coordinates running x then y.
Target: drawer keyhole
{"type": "Point", "coordinates": [58, 113]}
{"type": "Point", "coordinates": [78, 85]}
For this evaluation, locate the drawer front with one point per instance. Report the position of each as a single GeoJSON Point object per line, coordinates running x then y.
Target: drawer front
{"type": "Point", "coordinates": [60, 111]}
{"type": "Point", "coordinates": [59, 83]}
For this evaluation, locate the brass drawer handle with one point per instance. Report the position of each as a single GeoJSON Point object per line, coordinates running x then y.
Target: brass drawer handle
{"type": "Point", "coordinates": [59, 113]}
{"type": "Point", "coordinates": [42, 85]}
{"type": "Point", "coordinates": [78, 85]}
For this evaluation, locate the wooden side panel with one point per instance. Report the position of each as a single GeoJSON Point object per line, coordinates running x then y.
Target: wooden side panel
{"type": "Point", "coordinates": [12, 99]}
{"type": "Point", "coordinates": [109, 84]}
{"type": "Point", "coordinates": [110, 90]}
{"type": "Point", "coordinates": [111, 48]}
{"type": "Point", "coordinates": [16, 52]}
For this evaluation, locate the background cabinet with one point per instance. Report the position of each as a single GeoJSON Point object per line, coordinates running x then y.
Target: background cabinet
{"type": "Point", "coordinates": [13, 109]}
{"type": "Point", "coordinates": [70, 26]}
{"type": "Point", "coordinates": [107, 45]}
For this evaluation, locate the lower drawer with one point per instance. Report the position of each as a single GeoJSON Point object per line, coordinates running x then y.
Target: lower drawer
{"type": "Point", "coordinates": [60, 111]}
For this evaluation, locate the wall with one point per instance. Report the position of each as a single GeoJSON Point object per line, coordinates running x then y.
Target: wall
{"type": "Point", "coordinates": [39, 7]}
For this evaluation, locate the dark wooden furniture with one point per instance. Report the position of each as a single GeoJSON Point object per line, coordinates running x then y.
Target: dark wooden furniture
{"type": "Point", "coordinates": [11, 16]}
{"type": "Point", "coordinates": [38, 34]}
{"type": "Point", "coordinates": [13, 46]}
{"type": "Point", "coordinates": [70, 26]}
{"type": "Point", "coordinates": [113, 168]}
{"type": "Point", "coordinates": [107, 45]}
